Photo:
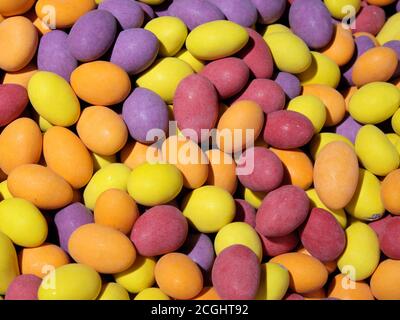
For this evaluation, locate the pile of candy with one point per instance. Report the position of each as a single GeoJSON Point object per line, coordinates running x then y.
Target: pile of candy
{"type": "Point", "coordinates": [280, 180]}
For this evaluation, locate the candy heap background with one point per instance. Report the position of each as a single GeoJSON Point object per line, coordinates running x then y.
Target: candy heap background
{"type": "Point", "coordinates": [84, 216]}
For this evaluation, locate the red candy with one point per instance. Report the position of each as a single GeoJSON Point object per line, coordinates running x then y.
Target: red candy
{"type": "Point", "coordinates": [390, 240]}
{"type": "Point", "coordinates": [273, 247]}
{"type": "Point", "coordinates": [13, 101]}
{"type": "Point", "coordinates": [370, 19]}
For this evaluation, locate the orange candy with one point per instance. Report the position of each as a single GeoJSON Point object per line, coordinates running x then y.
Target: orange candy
{"type": "Point", "coordinates": [39, 185]}
{"type": "Point", "coordinates": [20, 143]}
{"type": "Point", "coordinates": [347, 94]}
{"type": "Point", "coordinates": [22, 76]}
{"type": "Point", "coordinates": [332, 99]}
{"type": "Point", "coordinates": [188, 158]}
{"type": "Point", "coordinates": [67, 12]}
{"type": "Point", "coordinates": [329, 265]}
{"type": "Point", "coordinates": [385, 282]}
{"type": "Point", "coordinates": [222, 170]}
{"type": "Point", "coordinates": [117, 209]}
{"type": "Point", "coordinates": [306, 273]}
{"type": "Point", "coordinates": [102, 130]}
{"type": "Point", "coordinates": [135, 153]}
{"type": "Point", "coordinates": [41, 260]}
{"type": "Point", "coordinates": [299, 168]}
{"type": "Point", "coordinates": [208, 293]}
{"type": "Point", "coordinates": [103, 248]}
{"type": "Point", "coordinates": [178, 276]}
{"type": "Point", "coordinates": [390, 190]}
{"type": "Point", "coordinates": [15, 7]}
{"type": "Point", "coordinates": [66, 155]}
{"type": "Point", "coordinates": [344, 288]}
{"type": "Point", "coordinates": [341, 47]}
{"type": "Point", "coordinates": [380, 2]}
{"type": "Point", "coordinates": [101, 83]}
{"type": "Point", "coordinates": [315, 295]}
{"type": "Point", "coordinates": [376, 64]}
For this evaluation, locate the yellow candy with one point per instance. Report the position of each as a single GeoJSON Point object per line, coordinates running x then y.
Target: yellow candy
{"type": "Point", "coordinates": [44, 124]}
{"type": "Point", "coordinates": [323, 70]}
{"type": "Point", "coordinates": [290, 53]}
{"type": "Point", "coordinates": [216, 39]}
{"type": "Point", "coordinates": [70, 282]}
{"type": "Point", "coordinates": [151, 294]}
{"type": "Point", "coordinates": [209, 208]}
{"type": "Point", "coordinates": [361, 255]}
{"type": "Point", "coordinates": [390, 30]}
{"type": "Point", "coordinates": [393, 138]}
{"type": "Point", "coordinates": [376, 153]}
{"type": "Point", "coordinates": [154, 184]}
{"type": "Point", "coordinates": [274, 28]}
{"type": "Point", "coordinates": [312, 107]}
{"type": "Point", "coordinates": [366, 203]}
{"type": "Point", "coordinates": [196, 64]}
{"type": "Point", "coordinates": [340, 8]}
{"type": "Point", "coordinates": [274, 282]}
{"type": "Point", "coordinates": [315, 202]}
{"type": "Point", "coordinates": [255, 198]}
{"type": "Point", "coordinates": [138, 277]}
{"type": "Point", "coordinates": [4, 192]}
{"type": "Point", "coordinates": [375, 102]}
{"type": "Point", "coordinates": [171, 32]}
{"type": "Point", "coordinates": [164, 76]}
{"type": "Point", "coordinates": [238, 233]}
{"type": "Point", "coordinates": [320, 140]}
{"type": "Point", "coordinates": [152, 2]}
{"type": "Point", "coordinates": [113, 176]}
{"type": "Point", "coordinates": [100, 162]}
{"type": "Point", "coordinates": [396, 121]}
{"type": "Point", "coordinates": [22, 222]}
{"type": "Point", "coordinates": [53, 98]}
{"type": "Point", "coordinates": [8, 263]}
{"type": "Point", "coordinates": [113, 291]}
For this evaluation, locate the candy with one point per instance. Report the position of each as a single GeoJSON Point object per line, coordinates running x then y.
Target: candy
{"type": "Point", "coordinates": [92, 35]}
{"type": "Point", "coordinates": [337, 7]}
{"type": "Point", "coordinates": [245, 212]}
{"type": "Point", "coordinates": [289, 83]}
{"type": "Point", "coordinates": [116, 209]}
{"type": "Point", "coordinates": [195, 95]}
{"type": "Point", "coordinates": [113, 291]}
{"type": "Point", "coordinates": [361, 252]}
{"type": "Point", "coordinates": [385, 280]}
{"type": "Point", "coordinates": [209, 208]}
{"type": "Point", "coordinates": [342, 46]}
{"type": "Point", "coordinates": [389, 190]}
{"type": "Point", "coordinates": [310, 20]}
{"type": "Point", "coordinates": [236, 273]}
{"type": "Point", "coordinates": [8, 262]}
{"type": "Point", "coordinates": [151, 294]}
{"type": "Point", "coordinates": [276, 246]}
{"type": "Point", "coordinates": [200, 249]}
{"type": "Point", "coordinates": [178, 276]}
{"type": "Point", "coordinates": [389, 238]}
{"type": "Point", "coordinates": [22, 222]}
{"type": "Point", "coordinates": [242, 12]}
{"type": "Point", "coordinates": [40, 186]}
{"type": "Point", "coordinates": [370, 19]}
{"type": "Point", "coordinates": [101, 83]}
{"type": "Point", "coordinates": [348, 128]}
{"type": "Point", "coordinates": [390, 30]}
{"type": "Point", "coordinates": [139, 276]}
{"type": "Point", "coordinates": [101, 247]}
{"type": "Point", "coordinates": [13, 101]}
{"type": "Point", "coordinates": [11, 8]}
{"type": "Point", "coordinates": [69, 219]}
{"type": "Point", "coordinates": [22, 39]}
{"type": "Point", "coordinates": [281, 206]}
{"type": "Point", "coordinates": [69, 277]}
{"type": "Point", "coordinates": [23, 287]}
{"type": "Point", "coordinates": [160, 230]}
{"type": "Point", "coordinates": [54, 55]}
{"type": "Point", "coordinates": [205, 41]}
{"type": "Point", "coordinates": [340, 288]}
{"type": "Point", "coordinates": [144, 179]}
{"type": "Point", "coordinates": [128, 13]}
{"type": "Point", "coordinates": [53, 98]}
{"type": "Point", "coordinates": [20, 143]}
{"type": "Point", "coordinates": [269, 10]}
{"type": "Point", "coordinates": [195, 13]}
{"type": "Point", "coordinates": [135, 50]}
{"type": "Point", "coordinates": [306, 273]}
{"type": "Point", "coordinates": [135, 154]}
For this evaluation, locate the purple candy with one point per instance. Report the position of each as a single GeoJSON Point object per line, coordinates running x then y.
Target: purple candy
{"type": "Point", "coordinates": [348, 128]}
{"type": "Point", "coordinates": [245, 212]}
{"type": "Point", "coordinates": [54, 56]}
{"type": "Point", "coordinates": [147, 10]}
{"type": "Point", "coordinates": [195, 12]}
{"type": "Point", "coordinates": [143, 111]}
{"type": "Point", "coordinates": [69, 219]}
{"type": "Point", "coordinates": [24, 287]}
{"type": "Point", "coordinates": [289, 83]}
{"type": "Point", "coordinates": [200, 249]}
{"type": "Point", "coordinates": [162, 9]}
{"type": "Point", "coordinates": [242, 12]}
{"type": "Point", "coordinates": [363, 43]}
{"type": "Point", "coordinates": [128, 13]}
{"type": "Point", "coordinates": [395, 45]}
{"type": "Point", "coordinates": [398, 6]}
{"type": "Point", "coordinates": [92, 35]}
{"type": "Point", "coordinates": [135, 50]}
{"type": "Point", "coordinates": [311, 21]}
{"type": "Point", "coordinates": [269, 11]}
